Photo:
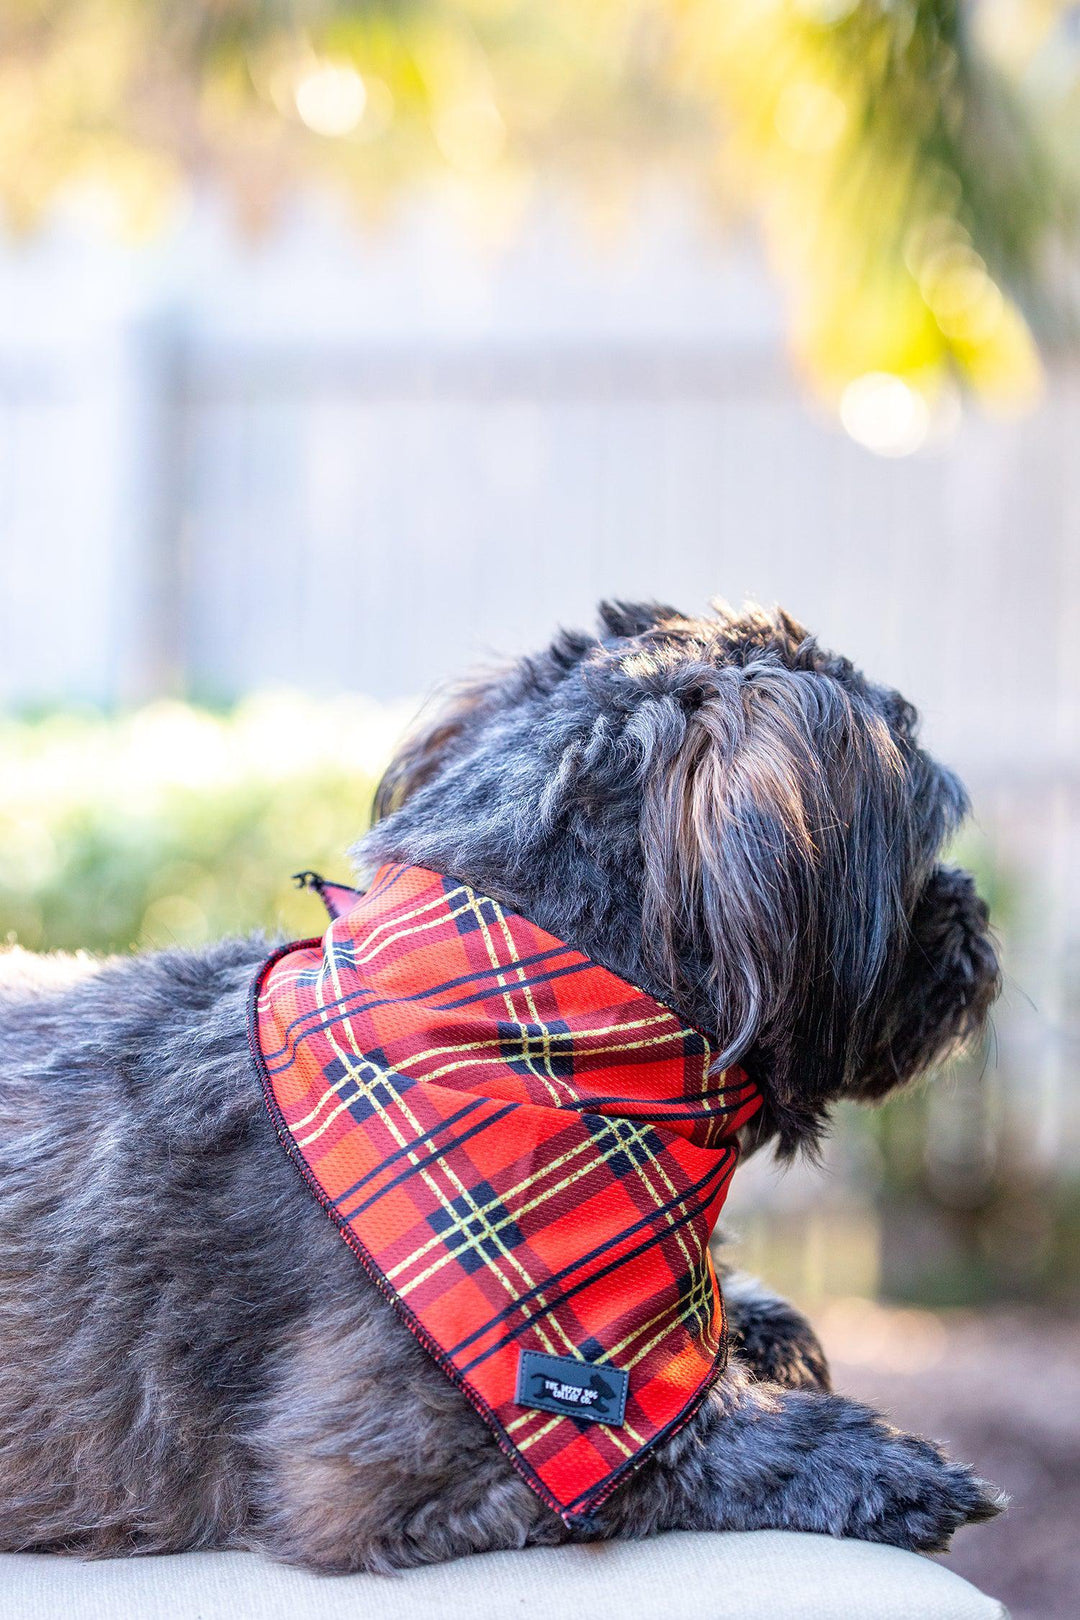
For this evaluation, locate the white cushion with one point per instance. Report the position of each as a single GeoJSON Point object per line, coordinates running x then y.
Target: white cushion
{"type": "Point", "coordinates": [767, 1575]}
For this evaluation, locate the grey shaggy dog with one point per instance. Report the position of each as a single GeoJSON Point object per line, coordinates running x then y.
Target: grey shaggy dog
{"type": "Point", "coordinates": [714, 808]}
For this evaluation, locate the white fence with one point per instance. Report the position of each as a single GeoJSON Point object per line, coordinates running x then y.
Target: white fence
{"type": "Point", "coordinates": [176, 516]}
{"type": "Point", "coordinates": [222, 519]}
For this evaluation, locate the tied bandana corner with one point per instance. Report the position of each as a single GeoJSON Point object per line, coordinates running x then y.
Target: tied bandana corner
{"type": "Point", "coordinates": [527, 1154]}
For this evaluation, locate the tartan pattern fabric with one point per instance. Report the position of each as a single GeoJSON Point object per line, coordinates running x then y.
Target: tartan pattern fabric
{"type": "Point", "coordinates": [524, 1151]}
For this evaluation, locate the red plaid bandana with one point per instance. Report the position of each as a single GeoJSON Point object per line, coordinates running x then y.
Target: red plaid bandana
{"type": "Point", "coordinates": [526, 1153]}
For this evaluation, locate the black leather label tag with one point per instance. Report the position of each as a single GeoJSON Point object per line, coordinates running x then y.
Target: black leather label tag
{"type": "Point", "coordinates": [581, 1389]}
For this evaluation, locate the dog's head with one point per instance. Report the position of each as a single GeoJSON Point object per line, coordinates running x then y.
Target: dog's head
{"type": "Point", "coordinates": [727, 814]}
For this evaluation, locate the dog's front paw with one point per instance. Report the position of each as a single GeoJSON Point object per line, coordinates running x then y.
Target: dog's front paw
{"type": "Point", "coordinates": [779, 1459]}
{"type": "Point", "coordinates": [921, 1499]}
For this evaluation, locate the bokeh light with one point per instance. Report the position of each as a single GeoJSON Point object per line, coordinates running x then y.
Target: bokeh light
{"type": "Point", "coordinates": [330, 99]}
{"type": "Point", "coordinates": [885, 414]}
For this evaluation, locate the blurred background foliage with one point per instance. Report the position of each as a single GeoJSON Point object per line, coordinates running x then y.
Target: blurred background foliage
{"type": "Point", "coordinates": [173, 825]}
{"type": "Point", "coordinates": [913, 162]}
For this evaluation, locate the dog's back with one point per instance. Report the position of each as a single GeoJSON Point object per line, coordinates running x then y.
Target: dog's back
{"type": "Point", "coordinates": [131, 1240]}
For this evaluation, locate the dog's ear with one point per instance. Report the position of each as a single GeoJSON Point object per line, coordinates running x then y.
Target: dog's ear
{"type": "Point", "coordinates": [623, 619]}
{"type": "Point", "coordinates": [436, 734]}
{"type": "Point", "coordinates": [774, 848]}
{"type": "Point", "coordinates": [454, 717]}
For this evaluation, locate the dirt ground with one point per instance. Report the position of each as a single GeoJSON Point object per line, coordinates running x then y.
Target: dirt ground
{"type": "Point", "coordinates": [1002, 1390]}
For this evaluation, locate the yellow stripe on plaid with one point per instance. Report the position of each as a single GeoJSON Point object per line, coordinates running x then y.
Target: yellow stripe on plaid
{"type": "Point", "coordinates": [469, 1061]}
{"type": "Point", "coordinates": [284, 976]}
{"type": "Point", "coordinates": [530, 1007]}
{"type": "Point", "coordinates": [650, 1163]}
{"type": "Point", "coordinates": [516, 1213]}
{"type": "Point", "coordinates": [571, 1038]}
{"type": "Point", "coordinates": [546, 1035]}
{"type": "Point", "coordinates": [463, 1192]}
{"type": "Point", "coordinates": [497, 962]}
{"type": "Point", "coordinates": [700, 1295]}
{"type": "Point", "coordinates": [612, 1434]}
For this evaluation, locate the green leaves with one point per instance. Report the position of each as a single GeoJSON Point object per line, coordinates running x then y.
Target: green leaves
{"type": "Point", "coordinates": [174, 825]}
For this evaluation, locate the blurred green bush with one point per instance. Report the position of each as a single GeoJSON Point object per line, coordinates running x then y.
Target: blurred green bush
{"type": "Point", "coordinates": [173, 824]}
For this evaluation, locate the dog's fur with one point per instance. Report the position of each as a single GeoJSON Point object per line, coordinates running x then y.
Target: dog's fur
{"type": "Point", "coordinates": [189, 1355]}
